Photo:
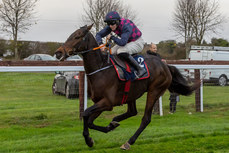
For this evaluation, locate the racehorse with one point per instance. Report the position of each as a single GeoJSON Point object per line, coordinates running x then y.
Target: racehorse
{"type": "Point", "coordinates": [107, 90]}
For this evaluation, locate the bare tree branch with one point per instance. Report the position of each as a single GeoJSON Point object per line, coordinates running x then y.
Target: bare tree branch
{"type": "Point", "coordinates": [16, 17]}
{"type": "Point", "coordinates": [193, 19]}
{"type": "Point", "coordinates": [96, 10]}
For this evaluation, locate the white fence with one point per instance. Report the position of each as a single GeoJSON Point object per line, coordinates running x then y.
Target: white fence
{"type": "Point", "coordinates": [48, 69]}
{"type": "Point", "coordinates": [81, 68]}
{"type": "Point", "coordinates": [40, 68]}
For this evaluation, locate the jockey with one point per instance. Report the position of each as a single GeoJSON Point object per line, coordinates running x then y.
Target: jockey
{"type": "Point", "coordinates": [129, 41]}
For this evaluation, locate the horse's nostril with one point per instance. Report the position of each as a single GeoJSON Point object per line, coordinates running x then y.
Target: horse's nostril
{"type": "Point", "coordinates": [70, 53]}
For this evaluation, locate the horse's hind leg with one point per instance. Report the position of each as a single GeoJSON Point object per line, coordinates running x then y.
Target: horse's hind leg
{"type": "Point", "coordinates": [151, 99]}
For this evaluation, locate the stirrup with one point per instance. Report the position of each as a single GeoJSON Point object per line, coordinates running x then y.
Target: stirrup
{"type": "Point", "coordinates": [139, 75]}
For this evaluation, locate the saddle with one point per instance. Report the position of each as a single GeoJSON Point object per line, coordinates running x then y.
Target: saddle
{"type": "Point", "coordinates": [125, 72]}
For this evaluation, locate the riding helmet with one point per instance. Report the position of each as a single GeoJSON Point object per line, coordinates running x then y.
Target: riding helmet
{"type": "Point", "coordinates": [113, 15]}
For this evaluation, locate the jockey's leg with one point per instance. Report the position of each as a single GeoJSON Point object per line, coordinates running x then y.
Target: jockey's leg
{"type": "Point", "coordinates": [130, 60]}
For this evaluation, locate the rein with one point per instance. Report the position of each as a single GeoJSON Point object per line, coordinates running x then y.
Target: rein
{"type": "Point", "coordinates": [107, 46]}
{"type": "Point", "coordinates": [96, 48]}
{"type": "Point", "coordinates": [93, 49]}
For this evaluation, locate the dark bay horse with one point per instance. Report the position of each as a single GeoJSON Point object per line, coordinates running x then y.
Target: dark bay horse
{"type": "Point", "coordinates": [107, 90]}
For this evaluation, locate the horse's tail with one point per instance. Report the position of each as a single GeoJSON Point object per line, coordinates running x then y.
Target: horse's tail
{"type": "Point", "coordinates": [179, 84]}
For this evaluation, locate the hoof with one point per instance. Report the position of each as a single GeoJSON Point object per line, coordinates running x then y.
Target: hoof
{"type": "Point", "coordinates": [125, 146]}
{"type": "Point", "coordinates": [90, 142]}
{"type": "Point", "coordinates": [114, 124]}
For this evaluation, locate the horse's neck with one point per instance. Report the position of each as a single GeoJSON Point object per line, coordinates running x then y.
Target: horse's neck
{"type": "Point", "coordinates": [93, 60]}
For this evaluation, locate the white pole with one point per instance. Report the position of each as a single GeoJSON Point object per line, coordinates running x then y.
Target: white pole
{"type": "Point", "coordinates": [201, 92]}
{"type": "Point", "coordinates": [85, 92]}
{"type": "Point", "coordinates": [160, 106]}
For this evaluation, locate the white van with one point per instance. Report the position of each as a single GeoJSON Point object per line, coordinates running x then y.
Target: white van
{"type": "Point", "coordinates": [213, 53]}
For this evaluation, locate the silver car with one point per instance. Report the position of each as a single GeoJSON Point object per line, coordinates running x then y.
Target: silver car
{"type": "Point", "coordinates": [40, 57]}
{"type": "Point", "coordinates": [66, 83]}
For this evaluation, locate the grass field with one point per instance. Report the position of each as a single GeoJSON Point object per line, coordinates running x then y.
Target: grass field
{"type": "Point", "coordinates": [32, 120]}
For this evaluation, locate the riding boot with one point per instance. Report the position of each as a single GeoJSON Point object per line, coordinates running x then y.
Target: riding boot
{"type": "Point", "coordinates": [129, 59]}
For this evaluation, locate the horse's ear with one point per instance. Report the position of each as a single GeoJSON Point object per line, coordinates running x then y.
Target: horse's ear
{"type": "Point", "coordinates": [90, 26]}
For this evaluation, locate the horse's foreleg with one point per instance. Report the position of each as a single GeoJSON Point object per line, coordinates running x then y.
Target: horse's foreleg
{"type": "Point", "coordinates": [89, 141]}
{"type": "Point", "coordinates": [151, 99]}
{"type": "Point", "coordinates": [90, 115]}
{"type": "Point", "coordinates": [106, 129]}
{"type": "Point", "coordinates": [131, 111]}
{"type": "Point", "coordinates": [96, 127]}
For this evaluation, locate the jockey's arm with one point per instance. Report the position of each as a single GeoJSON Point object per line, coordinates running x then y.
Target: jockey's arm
{"type": "Point", "coordinates": [104, 32]}
{"type": "Point", "coordinates": [126, 33]}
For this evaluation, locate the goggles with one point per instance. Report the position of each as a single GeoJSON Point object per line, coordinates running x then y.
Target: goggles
{"type": "Point", "coordinates": [111, 22]}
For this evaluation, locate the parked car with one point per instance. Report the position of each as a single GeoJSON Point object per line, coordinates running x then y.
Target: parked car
{"type": "Point", "coordinates": [40, 57]}
{"type": "Point", "coordinates": [210, 53]}
{"type": "Point", "coordinates": [66, 83]}
{"type": "Point", "coordinates": [74, 58]}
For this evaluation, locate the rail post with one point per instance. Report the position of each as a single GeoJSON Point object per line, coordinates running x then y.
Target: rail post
{"type": "Point", "coordinates": [197, 92]}
{"type": "Point", "coordinates": [81, 94]}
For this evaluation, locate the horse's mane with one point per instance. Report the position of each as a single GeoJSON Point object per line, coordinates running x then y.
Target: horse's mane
{"type": "Point", "coordinates": [103, 55]}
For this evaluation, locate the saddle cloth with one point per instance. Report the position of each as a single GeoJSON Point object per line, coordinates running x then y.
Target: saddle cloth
{"type": "Point", "coordinates": [125, 72]}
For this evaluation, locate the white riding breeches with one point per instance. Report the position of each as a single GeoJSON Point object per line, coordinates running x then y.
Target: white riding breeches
{"type": "Point", "coordinates": [131, 47]}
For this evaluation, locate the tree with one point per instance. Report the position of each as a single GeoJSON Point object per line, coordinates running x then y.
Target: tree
{"type": "Point", "coordinates": [220, 42]}
{"type": "Point", "coordinates": [96, 10]}
{"type": "Point", "coordinates": [167, 46]}
{"type": "Point", "coordinates": [51, 47]}
{"type": "Point", "coordinates": [3, 47]}
{"type": "Point", "coordinates": [17, 17]}
{"type": "Point", "coordinates": [193, 19]}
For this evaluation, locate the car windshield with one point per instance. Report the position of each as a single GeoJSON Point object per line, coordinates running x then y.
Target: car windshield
{"type": "Point", "coordinates": [75, 57]}
{"type": "Point", "coordinates": [47, 57]}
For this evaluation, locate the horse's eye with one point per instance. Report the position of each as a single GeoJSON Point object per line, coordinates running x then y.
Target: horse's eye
{"type": "Point", "coordinates": [77, 37]}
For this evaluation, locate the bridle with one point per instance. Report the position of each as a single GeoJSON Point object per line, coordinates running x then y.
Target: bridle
{"type": "Point", "coordinates": [84, 40]}
{"type": "Point", "coordinates": [77, 47]}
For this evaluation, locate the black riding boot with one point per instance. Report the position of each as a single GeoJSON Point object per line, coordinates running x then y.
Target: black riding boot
{"type": "Point", "coordinates": [129, 59]}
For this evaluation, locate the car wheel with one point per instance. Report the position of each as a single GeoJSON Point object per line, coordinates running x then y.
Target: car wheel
{"type": "Point", "coordinates": [54, 88]}
{"type": "Point", "coordinates": [222, 80]}
{"type": "Point", "coordinates": [67, 92]}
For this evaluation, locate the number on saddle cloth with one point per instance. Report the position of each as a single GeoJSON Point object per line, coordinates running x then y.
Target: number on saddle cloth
{"type": "Point", "coordinates": [121, 68]}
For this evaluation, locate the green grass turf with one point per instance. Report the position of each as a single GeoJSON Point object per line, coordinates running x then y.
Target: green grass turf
{"type": "Point", "coordinates": [32, 120]}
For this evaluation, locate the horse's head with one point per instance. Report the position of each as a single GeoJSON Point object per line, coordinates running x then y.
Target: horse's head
{"type": "Point", "coordinates": [75, 43]}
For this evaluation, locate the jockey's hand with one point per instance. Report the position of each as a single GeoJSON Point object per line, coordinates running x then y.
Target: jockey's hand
{"type": "Point", "coordinates": [102, 48]}
{"type": "Point", "coordinates": [109, 37]}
